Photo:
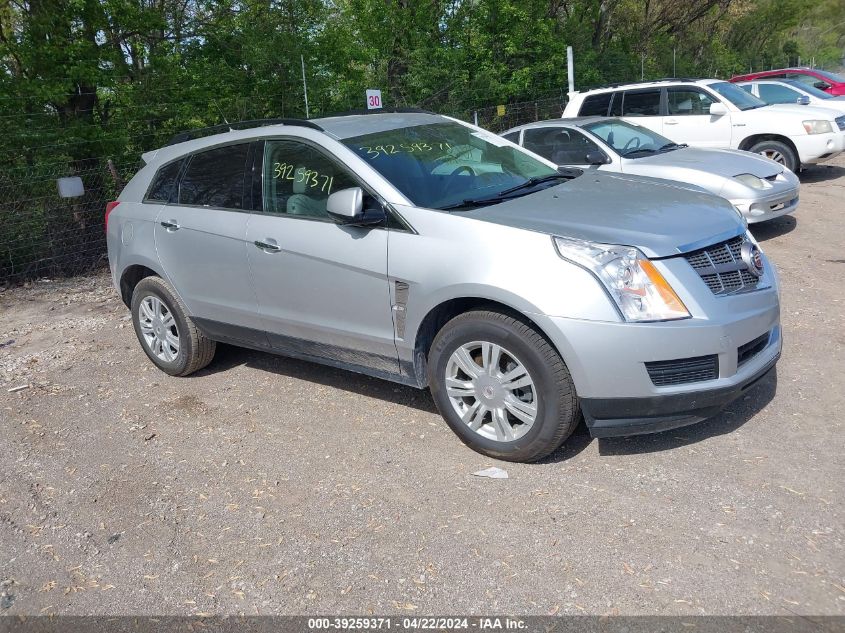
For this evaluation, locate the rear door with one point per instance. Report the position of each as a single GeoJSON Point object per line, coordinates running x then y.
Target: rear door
{"type": "Point", "coordinates": [200, 239]}
{"type": "Point", "coordinates": [322, 288]}
{"type": "Point", "coordinates": [688, 119]}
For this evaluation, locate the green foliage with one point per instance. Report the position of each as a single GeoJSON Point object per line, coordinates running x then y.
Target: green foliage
{"type": "Point", "coordinates": [84, 81]}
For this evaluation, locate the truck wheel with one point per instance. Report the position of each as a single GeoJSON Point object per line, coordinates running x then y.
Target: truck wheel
{"type": "Point", "coordinates": [501, 387]}
{"type": "Point", "coordinates": [779, 152]}
{"type": "Point", "coordinates": [167, 335]}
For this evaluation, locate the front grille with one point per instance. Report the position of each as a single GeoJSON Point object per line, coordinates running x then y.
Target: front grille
{"type": "Point", "coordinates": [721, 267]}
{"type": "Point", "coordinates": [745, 353]}
{"type": "Point", "coordinates": [683, 370]}
{"type": "Point", "coordinates": [840, 121]}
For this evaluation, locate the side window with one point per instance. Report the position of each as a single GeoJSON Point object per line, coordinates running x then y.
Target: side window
{"type": "Point", "coordinates": [163, 187]}
{"type": "Point", "coordinates": [513, 137]}
{"type": "Point", "coordinates": [773, 93]}
{"type": "Point", "coordinates": [562, 146]}
{"type": "Point", "coordinates": [805, 78]}
{"type": "Point", "coordinates": [215, 178]}
{"type": "Point", "coordinates": [595, 105]}
{"type": "Point", "coordinates": [642, 103]}
{"type": "Point", "coordinates": [298, 179]}
{"type": "Point", "coordinates": [685, 101]}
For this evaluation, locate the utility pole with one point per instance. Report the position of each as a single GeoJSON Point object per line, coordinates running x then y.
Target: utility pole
{"type": "Point", "coordinates": [642, 67]}
{"type": "Point", "coordinates": [305, 87]}
{"type": "Point", "coordinates": [674, 67]}
{"type": "Point", "coordinates": [570, 68]}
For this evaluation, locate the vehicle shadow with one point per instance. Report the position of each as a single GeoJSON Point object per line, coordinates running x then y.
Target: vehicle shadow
{"type": "Point", "coordinates": [737, 414]}
{"type": "Point", "coordinates": [229, 356]}
{"type": "Point", "coordinates": [821, 173]}
{"type": "Point", "coordinates": [773, 228]}
{"type": "Point", "coordinates": [728, 421]}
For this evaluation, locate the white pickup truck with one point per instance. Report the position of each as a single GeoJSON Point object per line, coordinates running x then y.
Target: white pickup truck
{"type": "Point", "coordinates": [714, 113]}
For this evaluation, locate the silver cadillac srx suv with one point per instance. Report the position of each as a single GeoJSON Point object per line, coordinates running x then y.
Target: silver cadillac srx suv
{"type": "Point", "coordinates": [420, 249]}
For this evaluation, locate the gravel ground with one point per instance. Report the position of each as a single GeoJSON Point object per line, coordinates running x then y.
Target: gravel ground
{"type": "Point", "coordinates": [266, 485]}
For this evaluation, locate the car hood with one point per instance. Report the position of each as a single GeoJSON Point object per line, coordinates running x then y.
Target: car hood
{"type": "Point", "coordinates": [816, 110]}
{"type": "Point", "coordinates": [660, 218]}
{"type": "Point", "coordinates": [724, 162]}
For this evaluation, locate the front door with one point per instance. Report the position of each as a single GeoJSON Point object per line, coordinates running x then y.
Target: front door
{"type": "Point", "coordinates": [688, 119]}
{"type": "Point", "coordinates": [322, 288]}
{"type": "Point", "coordinates": [200, 240]}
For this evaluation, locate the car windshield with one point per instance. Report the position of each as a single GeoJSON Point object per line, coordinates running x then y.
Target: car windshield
{"type": "Point", "coordinates": [810, 90]}
{"type": "Point", "coordinates": [447, 164]}
{"type": "Point", "coordinates": [630, 140]}
{"type": "Point", "coordinates": [737, 96]}
{"type": "Point", "coordinates": [838, 79]}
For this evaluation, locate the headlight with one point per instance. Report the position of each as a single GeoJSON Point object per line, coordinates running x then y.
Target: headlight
{"type": "Point", "coordinates": [818, 126]}
{"type": "Point", "coordinates": [750, 180]}
{"type": "Point", "coordinates": [639, 290]}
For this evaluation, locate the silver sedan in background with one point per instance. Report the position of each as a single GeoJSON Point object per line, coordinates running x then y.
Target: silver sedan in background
{"type": "Point", "coordinates": [758, 187]}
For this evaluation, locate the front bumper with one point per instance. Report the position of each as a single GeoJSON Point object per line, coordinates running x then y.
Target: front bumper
{"type": "Point", "coordinates": [614, 417]}
{"type": "Point", "coordinates": [817, 148]}
{"type": "Point", "coordinates": [768, 207]}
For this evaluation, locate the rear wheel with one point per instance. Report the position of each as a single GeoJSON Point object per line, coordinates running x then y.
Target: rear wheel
{"type": "Point", "coordinates": [167, 335]}
{"type": "Point", "coordinates": [779, 152]}
{"type": "Point", "coordinates": [501, 387]}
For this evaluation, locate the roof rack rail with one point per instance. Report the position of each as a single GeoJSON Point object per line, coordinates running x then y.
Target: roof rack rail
{"type": "Point", "coordinates": [181, 137]}
{"type": "Point", "coordinates": [645, 81]}
{"type": "Point", "coordinates": [401, 110]}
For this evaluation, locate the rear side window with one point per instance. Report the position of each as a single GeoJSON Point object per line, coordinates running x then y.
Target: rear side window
{"type": "Point", "coordinates": [616, 106]}
{"type": "Point", "coordinates": [215, 178]}
{"type": "Point", "coordinates": [164, 185]}
{"type": "Point", "coordinates": [642, 103]}
{"type": "Point", "coordinates": [513, 137]}
{"type": "Point", "coordinates": [596, 105]}
{"type": "Point", "coordinates": [560, 145]}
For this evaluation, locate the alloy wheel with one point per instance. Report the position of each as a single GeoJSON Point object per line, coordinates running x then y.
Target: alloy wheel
{"type": "Point", "coordinates": [491, 390]}
{"type": "Point", "coordinates": [158, 328]}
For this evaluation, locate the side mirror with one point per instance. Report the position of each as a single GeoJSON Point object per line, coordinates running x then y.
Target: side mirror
{"type": "Point", "coordinates": [718, 109]}
{"type": "Point", "coordinates": [597, 157]}
{"type": "Point", "coordinates": [803, 100]}
{"type": "Point", "coordinates": [822, 85]}
{"type": "Point", "coordinates": [347, 207]}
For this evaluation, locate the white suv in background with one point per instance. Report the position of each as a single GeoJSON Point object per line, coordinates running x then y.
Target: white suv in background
{"type": "Point", "coordinates": [714, 113]}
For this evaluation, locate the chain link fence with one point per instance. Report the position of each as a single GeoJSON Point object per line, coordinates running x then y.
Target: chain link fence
{"type": "Point", "coordinates": [45, 235]}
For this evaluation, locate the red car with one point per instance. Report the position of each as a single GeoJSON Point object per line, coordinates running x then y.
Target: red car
{"type": "Point", "coordinates": [821, 79]}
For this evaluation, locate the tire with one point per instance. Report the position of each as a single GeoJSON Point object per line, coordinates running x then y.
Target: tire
{"type": "Point", "coordinates": [157, 311]}
{"type": "Point", "coordinates": [551, 393]}
{"type": "Point", "coordinates": [779, 152]}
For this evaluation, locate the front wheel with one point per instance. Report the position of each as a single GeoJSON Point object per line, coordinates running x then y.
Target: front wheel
{"type": "Point", "coordinates": [501, 387]}
{"type": "Point", "coordinates": [779, 152]}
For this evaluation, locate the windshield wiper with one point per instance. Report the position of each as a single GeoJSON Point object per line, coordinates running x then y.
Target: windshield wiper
{"type": "Point", "coordinates": [642, 150]}
{"type": "Point", "coordinates": [670, 146]}
{"type": "Point", "coordinates": [531, 182]}
{"type": "Point", "coordinates": [503, 195]}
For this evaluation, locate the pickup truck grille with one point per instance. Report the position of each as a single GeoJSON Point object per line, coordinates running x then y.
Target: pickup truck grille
{"type": "Point", "coordinates": [721, 267]}
{"type": "Point", "coordinates": [840, 121]}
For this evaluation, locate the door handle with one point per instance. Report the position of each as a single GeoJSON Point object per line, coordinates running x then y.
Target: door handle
{"type": "Point", "coordinates": [269, 246]}
{"type": "Point", "coordinates": [670, 122]}
{"type": "Point", "coordinates": [172, 225]}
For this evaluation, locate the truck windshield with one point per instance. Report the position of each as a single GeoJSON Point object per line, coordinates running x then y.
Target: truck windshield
{"type": "Point", "coordinates": [447, 164]}
{"type": "Point", "coordinates": [737, 96]}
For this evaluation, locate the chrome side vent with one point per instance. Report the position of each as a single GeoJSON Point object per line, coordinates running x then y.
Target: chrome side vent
{"type": "Point", "coordinates": [400, 294]}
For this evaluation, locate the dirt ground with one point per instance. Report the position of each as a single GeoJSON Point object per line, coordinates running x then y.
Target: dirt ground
{"type": "Point", "coordinates": [266, 485]}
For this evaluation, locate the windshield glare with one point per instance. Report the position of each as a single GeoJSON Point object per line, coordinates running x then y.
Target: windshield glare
{"type": "Point", "coordinates": [737, 96]}
{"type": "Point", "coordinates": [442, 164]}
{"type": "Point", "coordinates": [626, 138]}
{"type": "Point", "coordinates": [810, 90]}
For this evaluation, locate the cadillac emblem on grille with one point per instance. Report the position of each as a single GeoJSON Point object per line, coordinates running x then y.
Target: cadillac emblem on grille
{"type": "Point", "coordinates": [750, 254]}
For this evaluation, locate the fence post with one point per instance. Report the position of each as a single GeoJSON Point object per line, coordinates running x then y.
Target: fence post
{"type": "Point", "coordinates": [475, 117]}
